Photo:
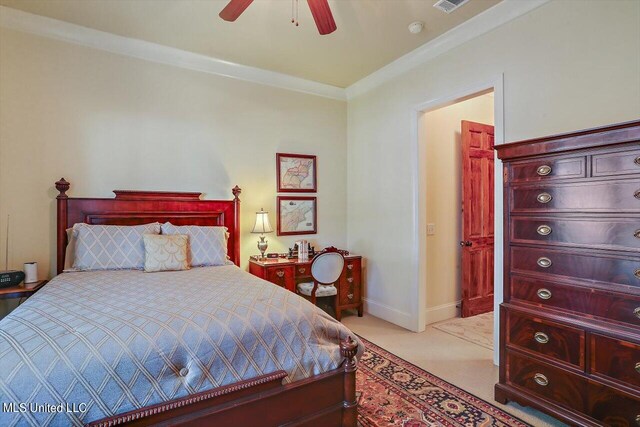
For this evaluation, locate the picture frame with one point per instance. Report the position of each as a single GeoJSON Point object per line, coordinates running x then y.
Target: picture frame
{"type": "Point", "coordinates": [297, 215]}
{"type": "Point", "coordinates": [296, 173]}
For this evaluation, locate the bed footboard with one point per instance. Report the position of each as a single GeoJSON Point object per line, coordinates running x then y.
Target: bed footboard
{"type": "Point", "coordinates": [327, 399]}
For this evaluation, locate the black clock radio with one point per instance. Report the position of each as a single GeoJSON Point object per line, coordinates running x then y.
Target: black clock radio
{"type": "Point", "coordinates": [11, 278]}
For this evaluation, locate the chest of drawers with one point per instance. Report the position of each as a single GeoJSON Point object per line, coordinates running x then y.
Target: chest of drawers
{"type": "Point", "coordinates": [570, 320]}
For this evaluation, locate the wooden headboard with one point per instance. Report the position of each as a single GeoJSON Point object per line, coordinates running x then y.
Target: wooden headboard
{"type": "Point", "coordinates": [142, 207]}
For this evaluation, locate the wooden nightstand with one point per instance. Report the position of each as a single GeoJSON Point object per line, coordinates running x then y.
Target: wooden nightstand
{"type": "Point", "coordinates": [288, 272]}
{"type": "Point", "coordinates": [21, 291]}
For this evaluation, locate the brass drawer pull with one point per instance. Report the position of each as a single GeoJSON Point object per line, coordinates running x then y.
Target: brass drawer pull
{"type": "Point", "coordinates": [637, 234]}
{"type": "Point", "coordinates": [350, 266]}
{"type": "Point", "coordinates": [546, 197]}
{"type": "Point", "coordinates": [544, 262]}
{"type": "Point", "coordinates": [544, 230]}
{"type": "Point", "coordinates": [638, 367]}
{"type": "Point", "coordinates": [637, 273]}
{"type": "Point", "coordinates": [544, 293]}
{"type": "Point", "coordinates": [637, 194]}
{"type": "Point", "coordinates": [541, 379]}
{"type": "Point", "coordinates": [638, 419]}
{"type": "Point", "coordinates": [636, 312]}
{"type": "Point", "coordinates": [350, 296]}
{"type": "Point", "coordinates": [280, 273]}
{"type": "Point", "coordinates": [541, 337]}
{"type": "Point", "coordinates": [543, 170]}
{"type": "Point", "coordinates": [637, 160]}
{"type": "Point", "coordinates": [302, 270]}
{"type": "Point", "coordinates": [350, 279]}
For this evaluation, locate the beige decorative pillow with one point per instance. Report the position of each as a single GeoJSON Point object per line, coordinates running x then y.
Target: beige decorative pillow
{"type": "Point", "coordinates": [165, 252]}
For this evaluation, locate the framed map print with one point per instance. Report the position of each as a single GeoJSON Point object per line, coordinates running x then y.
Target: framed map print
{"type": "Point", "coordinates": [297, 215]}
{"type": "Point", "coordinates": [296, 173]}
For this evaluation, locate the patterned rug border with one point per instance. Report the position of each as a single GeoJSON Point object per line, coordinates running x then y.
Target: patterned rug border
{"type": "Point", "coordinates": [490, 407]}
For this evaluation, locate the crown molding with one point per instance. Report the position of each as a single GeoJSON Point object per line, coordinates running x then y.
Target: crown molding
{"type": "Point", "coordinates": [482, 23]}
{"type": "Point", "coordinates": [60, 30]}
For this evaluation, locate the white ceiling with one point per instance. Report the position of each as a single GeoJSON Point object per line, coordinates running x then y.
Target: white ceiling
{"type": "Point", "coordinates": [370, 34]}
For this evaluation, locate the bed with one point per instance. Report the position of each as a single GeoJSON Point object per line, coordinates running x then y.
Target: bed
{"type": "Point", "coordinates": [209, 345]}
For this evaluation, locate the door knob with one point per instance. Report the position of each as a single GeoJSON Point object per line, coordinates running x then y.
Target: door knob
{"type": "Point", "coordinates": [465, 243]}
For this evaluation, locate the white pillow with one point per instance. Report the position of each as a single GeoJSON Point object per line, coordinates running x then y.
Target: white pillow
{"type": "Point", "coordinates": [207, 245]}
{"type": "Point", "coordinates": [165, 253]}
{"type": "Point", "coordinates": [70, 251]}
{"type": "Point", "coordinates": [111, 247]}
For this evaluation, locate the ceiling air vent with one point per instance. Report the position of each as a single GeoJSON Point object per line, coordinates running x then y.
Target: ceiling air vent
{"type": "Point", "coordinates": [449, 6]}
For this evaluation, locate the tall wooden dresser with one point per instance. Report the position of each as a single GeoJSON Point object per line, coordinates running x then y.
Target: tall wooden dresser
{"type": "Point", "coordinates": [570, 321]}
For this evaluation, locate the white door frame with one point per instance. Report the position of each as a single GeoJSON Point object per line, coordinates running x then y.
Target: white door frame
{"type": "Point", "coordinates": [418, 311]}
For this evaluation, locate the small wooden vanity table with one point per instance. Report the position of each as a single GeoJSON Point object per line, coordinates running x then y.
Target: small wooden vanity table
{"type": "Point", "coordinates": [288, 272]}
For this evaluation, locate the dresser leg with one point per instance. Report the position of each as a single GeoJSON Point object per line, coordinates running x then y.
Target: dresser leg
{"type": "Point", "coordinates": [360, 310]}
{"type": "Point", "coordinates": [499, 395]}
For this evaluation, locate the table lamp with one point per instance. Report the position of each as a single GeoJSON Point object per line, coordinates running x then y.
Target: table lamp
{"type": "Point", "coordinates": [262, 226]}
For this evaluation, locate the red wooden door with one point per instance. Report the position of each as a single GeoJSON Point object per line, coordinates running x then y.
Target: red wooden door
{"type": "Point", "coordinates": [477, 218]}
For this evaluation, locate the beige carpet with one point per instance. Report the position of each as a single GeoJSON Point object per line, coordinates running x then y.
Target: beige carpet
{"type": "Point", "coordinates": [477, 329]}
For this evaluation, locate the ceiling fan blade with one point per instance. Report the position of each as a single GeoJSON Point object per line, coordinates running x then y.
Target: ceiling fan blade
{"type": "Point", "coordinates": [234, 9]}
{"type": "Point", "coordinates": [322, 15]}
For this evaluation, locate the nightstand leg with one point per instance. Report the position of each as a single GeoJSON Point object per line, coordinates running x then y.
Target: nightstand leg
{"type": "Point", "coordinates": [360, 310]}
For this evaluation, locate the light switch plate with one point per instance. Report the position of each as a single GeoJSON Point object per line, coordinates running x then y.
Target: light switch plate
{"type": "Point", "coordinates": [431, 229]}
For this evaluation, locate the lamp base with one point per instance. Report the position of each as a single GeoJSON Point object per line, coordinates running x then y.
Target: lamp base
{"type": "Point", "coordinates": [262, 247]}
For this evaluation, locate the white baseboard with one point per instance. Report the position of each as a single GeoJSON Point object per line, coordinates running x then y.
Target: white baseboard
{"type": "Point", "coordinates": [442, 312]}
{"type": "Point", "coordinates": [388, 313]}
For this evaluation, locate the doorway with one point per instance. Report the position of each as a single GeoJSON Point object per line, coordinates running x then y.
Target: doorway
{"type": "Point", "coordinates": [459, 197]}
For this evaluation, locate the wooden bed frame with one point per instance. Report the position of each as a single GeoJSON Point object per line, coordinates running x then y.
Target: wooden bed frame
{"type": "Point", "coordinates": [327, 399]}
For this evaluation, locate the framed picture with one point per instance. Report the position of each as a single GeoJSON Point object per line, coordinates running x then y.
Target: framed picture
{"type": "Point", "coordinates": [297, 215]}
{"type": "Point", "coordinates": [296, 173]}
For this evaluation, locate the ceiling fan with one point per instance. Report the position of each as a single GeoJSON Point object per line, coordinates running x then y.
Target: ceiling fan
{"type": "Point", "coordinates": [319, 9]}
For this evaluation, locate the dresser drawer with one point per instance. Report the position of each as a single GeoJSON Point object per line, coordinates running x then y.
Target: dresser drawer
{"type": "Point", "coordinates": [615, 359]}
{"type": "Point", "coordinates": [600, 196]}
{"type": "Point", "coordinates": [612, 407]}
{"type": "Point", "coordinates": [555, 384]}
{"type": "Point", "coordinates": [548, 169]}
{"type": "Point", "coordinates": [597, 233]}
{"type": "Point", "coordinates": [609, 269]}
{"type": "Point", "coordinates": [613, 306]}
{"type": "Point", "coordinates": [618, 163]}
{"type": "Point", "coordinates": [559, 342]}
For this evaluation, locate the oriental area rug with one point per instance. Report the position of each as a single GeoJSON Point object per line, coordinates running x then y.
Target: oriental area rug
{"type": "Point", "coordinates": [394, 392]}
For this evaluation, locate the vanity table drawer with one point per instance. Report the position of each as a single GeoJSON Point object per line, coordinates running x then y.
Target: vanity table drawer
{"type": "Point", "coordinates": [548, 169]}
{"type": "Point", "coordinates": [597, 233]}
{"type": "Point", "coordinates": [608, 269]}
{"type": "Point", "coordinates": [615, 359]}
{"type": "Point", "coordinates": [559, 342]}
{"type": "Point", "coordinates": [282, 276]}
{"type": "Point", "coordinates": [350, 286]}
{"type": "Point", "coordinates": [602, 196]}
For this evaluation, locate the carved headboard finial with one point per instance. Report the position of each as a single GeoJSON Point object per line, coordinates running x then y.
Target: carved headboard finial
{"type": "Point", "coordinates": [62, 186]}
{"type": "Point", "coordinates": [236, 192]}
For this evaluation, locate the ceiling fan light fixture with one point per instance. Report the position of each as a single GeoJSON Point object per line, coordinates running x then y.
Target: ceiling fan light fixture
{"type": "Point", "coordinates": [416, 27]}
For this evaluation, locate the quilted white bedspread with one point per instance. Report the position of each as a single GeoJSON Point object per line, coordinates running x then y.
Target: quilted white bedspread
{"type": "Point", "coordinates": [94, 344]}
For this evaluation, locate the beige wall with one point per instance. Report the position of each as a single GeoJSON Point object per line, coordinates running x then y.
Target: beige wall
{"type": "Point", "coordinates": [567, 65]}
{"type": "Point", "coordinates": [105, 122]}
{"type": "Point", "coordinates": [442, 138]}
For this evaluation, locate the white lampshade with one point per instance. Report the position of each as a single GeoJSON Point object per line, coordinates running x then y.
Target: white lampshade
{"type": "Point", "coordinates": [262, 224]}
